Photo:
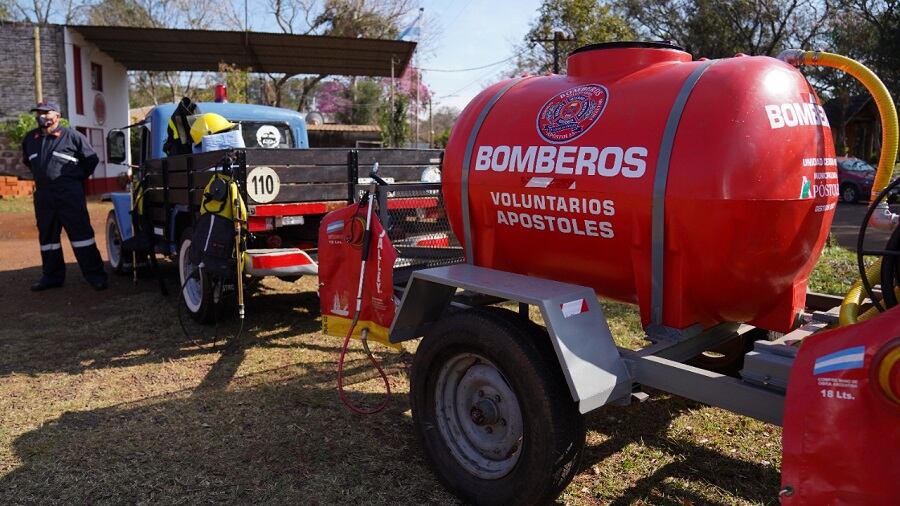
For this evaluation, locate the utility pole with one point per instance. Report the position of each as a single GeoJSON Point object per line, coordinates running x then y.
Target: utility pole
{"type": "Point", "coordinates": [430, 125]}
{"type": "Point", "coordinates": [38, 78]}
{"type": "Point", "coordinates": [418, 85]}
{"type": "Point", "coordinates": [557, 38]}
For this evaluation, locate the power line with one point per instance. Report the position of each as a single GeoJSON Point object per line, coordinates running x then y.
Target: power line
{"type": "Point", "coordinates": [463, 9]}
{"type": "Point", "coordinates": [474, 68]}
{"type": "Point", "coordinates": [476, 80]}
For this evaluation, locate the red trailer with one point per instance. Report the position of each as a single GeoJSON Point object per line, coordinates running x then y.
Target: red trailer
{"type": "Point", "coordinates": [702, 191]}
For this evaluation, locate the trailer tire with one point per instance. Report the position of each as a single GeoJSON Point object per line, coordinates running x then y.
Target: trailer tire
{"type": "Point", "coordinates": [522, 451]}
{"type": "Point", "coordinates": [196, 293]}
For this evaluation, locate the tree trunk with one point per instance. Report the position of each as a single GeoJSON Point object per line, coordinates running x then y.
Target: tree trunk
{"type": "Point", "coordinates": [308, 84]}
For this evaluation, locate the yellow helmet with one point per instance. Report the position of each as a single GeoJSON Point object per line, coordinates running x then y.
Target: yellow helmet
{"type": "Point", "coordinates": [209, 123]}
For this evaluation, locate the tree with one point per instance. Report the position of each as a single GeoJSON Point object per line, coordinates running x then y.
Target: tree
{"type": "Point", "coordinates": [14, 129]}
{"type": "Point", "coordinates": [332, 97]}
{"type": "Point", "coordinates": [394, 124]}
{"type": "Point", "coordinates": [585, 21]}
{"type": "Point", "coordinates": [35, 11]}
{"type": "Point", "coordinates": [443, 120]}
{"type": "Point", "coordinates": [366, 102]}
{"type": "Point", "coordinates": [718, 29]}
{"type": "Point", "coordinates": [870, 32]}
{"type": "Point", "coordinates": [362, 101]}
{"type": "Point", "coordinates": [340, 18]}
{"type": "Point", "coordinates": [155, 87]}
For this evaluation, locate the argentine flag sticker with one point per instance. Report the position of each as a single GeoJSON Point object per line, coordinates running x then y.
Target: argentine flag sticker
{"type": "Point", "coordinates": [849, 358]}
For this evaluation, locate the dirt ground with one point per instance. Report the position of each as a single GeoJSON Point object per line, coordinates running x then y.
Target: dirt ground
{"type": "Point", "coordinates": [104, 400]}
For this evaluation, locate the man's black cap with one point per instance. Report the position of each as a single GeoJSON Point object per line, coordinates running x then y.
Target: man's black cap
{"type": "Point", "coordinates": [46, 106]}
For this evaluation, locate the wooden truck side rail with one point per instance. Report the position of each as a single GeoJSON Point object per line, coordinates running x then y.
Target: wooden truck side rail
{"type": "Point", "coordinates": [174, 185]}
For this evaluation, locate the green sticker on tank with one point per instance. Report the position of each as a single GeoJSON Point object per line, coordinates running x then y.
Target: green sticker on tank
{"type": "Point", "coordinates": [804, 188]}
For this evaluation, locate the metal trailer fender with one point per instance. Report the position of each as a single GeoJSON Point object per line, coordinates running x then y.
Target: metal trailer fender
{"type": "Point", "coordinates": [588, 357]}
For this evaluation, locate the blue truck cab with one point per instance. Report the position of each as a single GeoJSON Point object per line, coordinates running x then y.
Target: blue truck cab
{"type": "Point", "coordinates": [289, 125]}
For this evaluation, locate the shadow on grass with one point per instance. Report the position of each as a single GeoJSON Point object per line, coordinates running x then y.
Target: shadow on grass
{"type": "Point", "coordinates": [291, 442]}
{"type": "Point", "coordinates": [258, 439]}
{"type": "Point", "coordinates": [74, 328]}
{"type": "Point", "coordinates": [647, 424]}
{"type": "Point", "coordinates": [285, 442]}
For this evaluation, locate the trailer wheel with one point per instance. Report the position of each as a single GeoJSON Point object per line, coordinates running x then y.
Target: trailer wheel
{"type": "Point", "coordinates": [114, 251]}
{"type": "Point", "coordinates": [493, 412]}
{"type": "Point", "coordinates": [196, 289]}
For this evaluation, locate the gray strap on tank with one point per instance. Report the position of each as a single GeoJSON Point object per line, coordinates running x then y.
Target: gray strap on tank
{"type": "Point", "coordinates": [467, 162]}
{"type": "Point", "coordinates": [658, 223]}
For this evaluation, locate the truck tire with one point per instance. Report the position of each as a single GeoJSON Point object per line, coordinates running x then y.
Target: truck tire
{"type": "Point", "coordinates": [493, 412]}
{"type": "Point", "coordinates": [196, 292]}
{"type": "Point", "coordinates": [114, 252]}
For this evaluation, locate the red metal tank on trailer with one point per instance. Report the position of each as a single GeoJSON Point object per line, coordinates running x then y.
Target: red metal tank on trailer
{"type": "Point", "coordinates": [701, 190]}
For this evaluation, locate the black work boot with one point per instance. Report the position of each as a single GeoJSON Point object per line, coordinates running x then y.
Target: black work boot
{"type": "Point", "coordinates": [42, 285]}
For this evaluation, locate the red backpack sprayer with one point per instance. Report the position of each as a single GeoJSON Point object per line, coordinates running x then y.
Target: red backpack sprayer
{"type": "Point", "coordinates": [345, 240]}
{"type": "Point", "coordinates": [701, 191]}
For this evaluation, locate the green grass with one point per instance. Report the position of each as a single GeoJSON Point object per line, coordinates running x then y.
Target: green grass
{"type": "Point", "coordinates": [835, 271]}
{"type": "Point", "coordinates": [16, 205]}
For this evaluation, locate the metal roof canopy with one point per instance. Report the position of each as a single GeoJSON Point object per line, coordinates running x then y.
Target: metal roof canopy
{"type": "Point", "coordinates": [204, 50]}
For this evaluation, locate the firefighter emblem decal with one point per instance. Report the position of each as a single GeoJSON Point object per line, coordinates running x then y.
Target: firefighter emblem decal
{"type": "Point", "coordinates": [571, 113]}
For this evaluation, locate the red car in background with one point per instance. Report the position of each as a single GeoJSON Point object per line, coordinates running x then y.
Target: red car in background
{"type": "Point", "coordinates": [855, 178]}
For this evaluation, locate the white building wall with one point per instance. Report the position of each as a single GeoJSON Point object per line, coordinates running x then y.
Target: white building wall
{"type": "Point", "coordinates": [114, 95]}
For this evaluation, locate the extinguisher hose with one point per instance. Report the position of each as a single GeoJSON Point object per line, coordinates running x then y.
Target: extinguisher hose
{"type": "Point", "coordinates": [367, 235]}
{"type": "Point", "coordinates": [855, 296]}
{"type": "Point", "coordinates": [890, 139]}
{"type": "Point", "coordinates": [343, 394]}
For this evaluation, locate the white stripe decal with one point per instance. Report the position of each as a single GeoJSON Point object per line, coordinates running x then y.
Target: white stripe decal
{"type": "Point", "coordinates": [32, 157]}
{"type": "Point", "coordinates": [50, 247]}
{"type": "Point", "coordinates": [841, 360]}
{"type": "Point", "coordinates": [539, 182]}
{"type": "Point", "coordinates": [573, 307]}
{"type": "Point", "coordinates": [208, 235]}
{"type": "Point", "coordinates": [65, 157]}
{"type": "Point", "coordinates": [82, 244]}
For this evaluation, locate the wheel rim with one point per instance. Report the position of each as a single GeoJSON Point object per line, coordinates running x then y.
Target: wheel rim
{"type": "Point", "coordinates": [192, 291]}
{"type": "Point", "coordinates": [478, 416]}
{"type": "Point", "coordinates": [849, 194]}
{"type": "Point", "coordinates": [113, 244]}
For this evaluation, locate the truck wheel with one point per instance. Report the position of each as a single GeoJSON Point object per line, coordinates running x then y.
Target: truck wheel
{"type": "Point", "coordinates": [493, 412]}
{"type": "Point", "coordinates": [114, 251]}
{"type": "Point", "coordinates": [196, 292]}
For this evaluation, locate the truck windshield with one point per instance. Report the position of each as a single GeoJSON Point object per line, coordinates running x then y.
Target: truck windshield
{"type": "Point", "coordinates": [261, 134]}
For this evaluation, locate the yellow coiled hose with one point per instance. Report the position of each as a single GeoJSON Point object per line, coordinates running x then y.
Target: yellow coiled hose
{"type": "Point", "coordinates": [889, 143]}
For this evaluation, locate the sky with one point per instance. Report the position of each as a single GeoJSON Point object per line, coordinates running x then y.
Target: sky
{"type": "Point", "coordinates": [467, 34]}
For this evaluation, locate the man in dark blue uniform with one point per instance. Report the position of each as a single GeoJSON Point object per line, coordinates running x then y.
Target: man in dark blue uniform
{"type": "Point", "coordinates": [60, 160]}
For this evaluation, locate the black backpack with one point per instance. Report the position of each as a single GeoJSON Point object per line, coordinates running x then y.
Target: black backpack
{"type": "Point", "coordinates": [212, 246]}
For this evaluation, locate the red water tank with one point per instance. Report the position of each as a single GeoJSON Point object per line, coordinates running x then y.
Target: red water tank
{"type": "Point", "coordinates": [701, 190]}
